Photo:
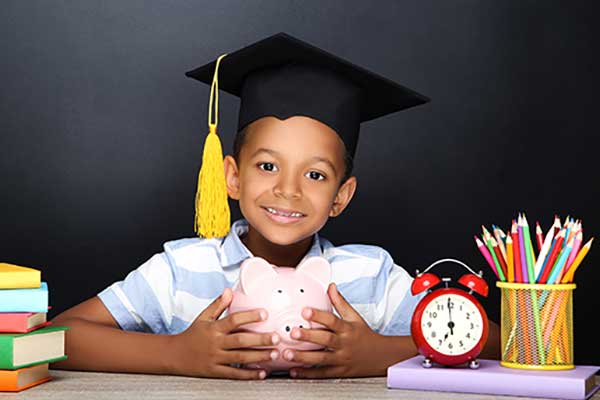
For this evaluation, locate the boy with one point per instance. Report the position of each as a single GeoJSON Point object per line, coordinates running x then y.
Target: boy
{"type": "Point", "coordinates": [290, 171]}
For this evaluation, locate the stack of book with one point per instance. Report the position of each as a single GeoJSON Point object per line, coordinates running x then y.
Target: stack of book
{"type": "Point", "coordinates": [27, 341]}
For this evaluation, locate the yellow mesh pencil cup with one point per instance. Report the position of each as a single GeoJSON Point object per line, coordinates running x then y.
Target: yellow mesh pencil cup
{"type": "Point", "coordinates": [536, 326]}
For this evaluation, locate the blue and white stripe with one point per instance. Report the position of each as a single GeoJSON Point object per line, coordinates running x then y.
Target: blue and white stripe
{"type": "Point", "coordinates": [168, 292]}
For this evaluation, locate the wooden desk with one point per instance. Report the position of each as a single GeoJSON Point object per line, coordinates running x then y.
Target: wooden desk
{"type": "Point", "coordinates": [90, 385]}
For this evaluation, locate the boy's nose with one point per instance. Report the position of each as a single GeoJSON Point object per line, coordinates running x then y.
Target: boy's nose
{"type": "Point", "coordinates": [288, 188]}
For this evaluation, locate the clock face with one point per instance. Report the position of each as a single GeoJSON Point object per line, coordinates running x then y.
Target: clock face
{"type": "Point", "coordinates": [452, 324]}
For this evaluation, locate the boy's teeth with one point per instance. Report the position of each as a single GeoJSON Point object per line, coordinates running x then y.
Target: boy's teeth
{"type": "Point", "coordinates": [273, 211]}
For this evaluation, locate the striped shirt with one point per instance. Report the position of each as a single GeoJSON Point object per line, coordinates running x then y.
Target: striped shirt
{"type": "Point", "coordinates": [167, 292]}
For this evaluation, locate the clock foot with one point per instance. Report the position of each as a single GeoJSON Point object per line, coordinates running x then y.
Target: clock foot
{"type": "Point", "coordinates": [427, 363]}
{"type": "Point", "coordinates": [474, 364]}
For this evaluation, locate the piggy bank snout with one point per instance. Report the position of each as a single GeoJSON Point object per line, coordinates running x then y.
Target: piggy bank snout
{"type": "Point", "coordinates": [284, 328]}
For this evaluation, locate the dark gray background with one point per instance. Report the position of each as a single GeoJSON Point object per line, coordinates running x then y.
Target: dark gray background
{"type": "Point", "coordinates": [101, 133]}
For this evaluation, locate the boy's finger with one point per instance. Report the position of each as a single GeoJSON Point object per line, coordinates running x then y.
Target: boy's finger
{"type": "Point", "coordinates": [324, 318]}
{"type": "Point", "coordinates": [346, 311]}
{"type": "Point", "coordinates": [216, 308]}
{"type": "Point", "coordinates": [249, 356]}
{"type": "Point", "coordinates": [310, 357]}
{"type": "Point", "coordinates": [233, 321]}
{"type": "Point", "coordinates": [224, 371]}
{"type": "Point", "coordinates": [246, 339]}
{"type": "Point", "coordinates": [321, 337]}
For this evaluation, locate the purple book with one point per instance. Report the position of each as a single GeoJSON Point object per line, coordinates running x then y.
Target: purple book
{"type": "Point", "coordinates": [491, 378]}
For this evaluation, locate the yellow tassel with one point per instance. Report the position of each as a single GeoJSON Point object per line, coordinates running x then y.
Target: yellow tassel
{"type": "Point", "coordinates": [212, 210]}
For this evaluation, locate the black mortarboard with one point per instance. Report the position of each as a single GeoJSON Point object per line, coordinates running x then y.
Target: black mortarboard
{"type": "Point", "coordinates": [282, 76]}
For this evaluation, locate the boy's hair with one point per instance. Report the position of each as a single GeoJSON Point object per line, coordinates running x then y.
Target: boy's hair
{"type": "Point", "coordinates": [240, 138]}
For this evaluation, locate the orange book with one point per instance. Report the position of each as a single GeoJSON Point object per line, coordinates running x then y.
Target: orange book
{"type": "Point", "coordinates": [24, 378]}
{"type": "Point", "coordinates": [22, 322]}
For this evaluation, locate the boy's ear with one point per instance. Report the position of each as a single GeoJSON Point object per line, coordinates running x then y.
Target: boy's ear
{"type": "Point", "coordinates": [343, 197]}
{"type": "Point", "coordinates": [232, 177]}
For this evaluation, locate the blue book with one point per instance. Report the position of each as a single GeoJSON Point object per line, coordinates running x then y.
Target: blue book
{"type": "Point", "coordinates": [24, 300]}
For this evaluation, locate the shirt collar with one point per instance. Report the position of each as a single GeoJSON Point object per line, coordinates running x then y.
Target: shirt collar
{"type": "Point", "coordinates": [233, 251]}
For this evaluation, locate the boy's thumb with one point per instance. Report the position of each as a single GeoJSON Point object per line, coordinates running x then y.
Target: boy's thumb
{"type": "Point", "coordinates": [216, 308]}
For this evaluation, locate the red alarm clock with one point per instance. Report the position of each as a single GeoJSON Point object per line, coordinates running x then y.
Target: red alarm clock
{"type": "Point", "coordinates": [449, 326]}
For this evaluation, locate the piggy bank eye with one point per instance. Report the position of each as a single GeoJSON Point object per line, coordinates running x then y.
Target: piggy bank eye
{"type": "Point", "coordinates": [301, 290]}
{"type": "Point", "coordinates": [279, 291]}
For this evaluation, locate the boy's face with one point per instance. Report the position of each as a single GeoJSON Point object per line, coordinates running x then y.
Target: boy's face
{"type": "Point", "coordinates": [288, 178]}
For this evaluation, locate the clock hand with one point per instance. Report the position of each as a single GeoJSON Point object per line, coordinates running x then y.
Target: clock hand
{"type": "Point", "coordinates": [450, 323]}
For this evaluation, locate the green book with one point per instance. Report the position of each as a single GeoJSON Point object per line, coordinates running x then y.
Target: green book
{"type": "Point", "coordinates": [45, 345]}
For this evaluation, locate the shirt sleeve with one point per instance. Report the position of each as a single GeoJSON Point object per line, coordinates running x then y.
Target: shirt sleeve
{"type": "Point", "coordinates": [394, 311]}
{"type": "Point", "coordinates": [143, 300]}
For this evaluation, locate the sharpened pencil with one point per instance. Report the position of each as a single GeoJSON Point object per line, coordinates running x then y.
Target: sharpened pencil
{"type": "Point", "coordinates": [582, 253]}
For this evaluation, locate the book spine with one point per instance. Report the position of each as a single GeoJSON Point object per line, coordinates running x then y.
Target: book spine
{"type": "Point", "coordinates": [6, 352]}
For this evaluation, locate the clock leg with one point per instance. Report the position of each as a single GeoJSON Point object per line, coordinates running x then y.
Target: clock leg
{"type": "Point", "coordinates": [427, 363]}
{"type": "Point", "coordinates": [474, 364]}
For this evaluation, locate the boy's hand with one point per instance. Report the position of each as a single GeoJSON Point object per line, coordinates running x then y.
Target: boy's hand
{"type": "Point", "coordinates": [351, 347]}
{"type": "Point", "coordinates": [209, 345]}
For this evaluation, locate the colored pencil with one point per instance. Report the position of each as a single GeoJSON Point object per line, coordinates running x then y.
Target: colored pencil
{"type": "Point", "coordinates": [486, 235]}
{"type": "Point", "coordinates": [510, 268]}
{"type": "Point", "coordinates": [549, 263]}
{"type": "Point", "coordinates": [568, 233]}
{"type": "Point", "coordinates": [543, 252]}
{"type": "Point", "coordinates": [582, 253]}
{"type": "Point", "coordinates": [530, 261]}
{"type": "Point", "coordinates": [556, 225]}
{"type": "Point", "coordinates": [516, 253]}
{"type": "Point", "coordinates": [528, 250]}
{"type": "Point", "coordinates": [572, 232]}
{"type": "Point", "coordinates": [522, 253]}
{"type": "Point", "coordinates": [501, 275]}
{"type": "Point", "coordinates": [486, 254]}
{"type": "Point", "coordinates": [499, 256]}
{"type": "Point", "coordinates": [557, 269]}
{"type": "Point", "coordinates": [499, 240]}
{"type": "Point", "coordinates": [576, 247]}
{"type": "Point", "coordinates": [559, 302]}
{"type": "Point", "coordinates": [538, 236]}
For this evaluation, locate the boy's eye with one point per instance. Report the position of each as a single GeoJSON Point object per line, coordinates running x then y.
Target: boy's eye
{"type": "Point", "coordinates": [316, 175]}
{"type": "Point", "coordinates": [267, 166]}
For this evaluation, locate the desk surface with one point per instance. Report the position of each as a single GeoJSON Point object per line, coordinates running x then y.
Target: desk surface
{"type": "Point", "coordinates": [91, 385]}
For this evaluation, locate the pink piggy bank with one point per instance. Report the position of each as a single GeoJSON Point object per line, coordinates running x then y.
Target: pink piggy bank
{"type": "Point", "coordinates": [283, 292]}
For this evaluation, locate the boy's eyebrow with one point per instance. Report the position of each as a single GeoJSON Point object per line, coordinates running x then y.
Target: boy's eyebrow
{"type": "Point", "coordinates": [276, 153]}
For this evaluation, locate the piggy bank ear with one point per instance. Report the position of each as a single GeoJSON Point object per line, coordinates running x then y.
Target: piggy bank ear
{"type": "Point", "coordinates": [317, 268]}
{"type": "Point", "coordinates": [253, 271]}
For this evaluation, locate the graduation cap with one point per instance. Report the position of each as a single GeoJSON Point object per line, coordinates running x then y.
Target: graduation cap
{"type": "Point", "coordinates": [282, 76]}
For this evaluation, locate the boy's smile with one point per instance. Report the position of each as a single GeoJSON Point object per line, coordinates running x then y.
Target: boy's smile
{"type": "Point", "coordinates": [284, 216]}
{"type": "Point", "coordinates": [287, 182]}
